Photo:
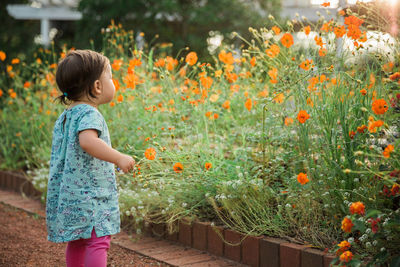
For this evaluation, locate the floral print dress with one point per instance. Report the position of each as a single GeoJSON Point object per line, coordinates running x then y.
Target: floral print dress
{"type": "Point", "coordinates": [82, 191]}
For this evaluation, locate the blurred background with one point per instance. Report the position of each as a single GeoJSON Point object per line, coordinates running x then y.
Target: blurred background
{"type": "Point", "coordinates": [174, 24]}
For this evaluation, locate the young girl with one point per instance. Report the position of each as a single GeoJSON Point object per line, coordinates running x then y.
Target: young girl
{"type": "Point", "coordinates": [82, 197]}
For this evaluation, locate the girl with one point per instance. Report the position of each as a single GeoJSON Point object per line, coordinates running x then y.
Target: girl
{"type": "Point", "coordinates": [82, 197]}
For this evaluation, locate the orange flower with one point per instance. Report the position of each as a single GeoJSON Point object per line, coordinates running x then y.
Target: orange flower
{"type": "Point", "coordinates": [276, 30]}
{"type": "Point", "coordinates": [379, 106]}
{"type": "Point", "coordinates": [322, 52]}
{"type": "Point", "coordinates": [206, 82]}
{"type": "Point", "coordinates": [306, 65]}
{"type": "Point", "coordinates": [248, 104]}
{"type": "Point", "coordinates": [339, 31]}
{"type": "Point", "coordinates": [347, 224]}
{"type": "Point", "coordinates": [208, 166]}
{"type": "Point", "coordinates": [287, 40]}
{"type": "Point", "coordinates": [135, 63]}
{"type": "Point", "coordinates": [352, 134]}
{"type": "Point", "coordinates": [253, 61]}
{"type": "Point", "coordinates": [354, 32]}
{"type": "Point", "coordinates": [2, 56]}
{"type": "Point", "coordinates": [120, 98]}
{"type": "Point", "coordinates": [288, 121]}
{"type": "Point", "coordinates": [307, 30]}
{"type": "Point", "coordinates": [388, 67]}
{"type": "Point", "coordinates": [171, 63]}
{"type": "Point", "coordinates": [150, 153]}
{"type": "Point", "coordinates": [273, 51]}
{"type": "Point", "coordinates": [15, 61]}
{"type": "Point", "coordinates": [226, 58]}
{"type": "Point", "coordinates": [116, 65]}
{"type": "Point", "coordinates": [1, 92]}
{"type": "Point", "coordinates": [216, 116]}
{"type": "Point", "coordinates": [273, 74]}
{"type": "Point", "coordinates": [208, 114]}
{"type": "Point", "coordinates": [318, 41]}
{"type": "Point", "coordinates": [357, 207]}
{"type": "Point", "coordinates": [112, 104]}
{"type": "Point", "coordinates": [279, 98]}
{"type": "Point", "coordinates": [302, 178]}
{"type": "Point", "coordinates": [116, 84]}
{"type": "Point", "coordinates": [346, 256]}
{"type": "Point", "coordinates": [326, 4]}
{"type": "Point", "coordinates": [160, 63]}
{"type": "Point", "coordinates": [389, 149]}
{"type": "Point", "coordinates": [191, 58]}
{"type": "Point", "coordinates": [178, 167]}
{"type": "Point", "coordinates": [226, 104]}
{"type": "Point", "coordinates": [27, 84]}
{"type": "Point", "coordinates": [302, 116]}
{"type": "Point", "coordinates": [363, 91]}
{"type": "Point", "coordinates": [344, 245]}
{"type": "Point", "coordinates": [353, 20]}
{"type": "Point", "coordinates": [362, 128]}
{"type": "Point", "coordinates": [310, 102]}
{"type": "Point", "coordinates": [373, 125]}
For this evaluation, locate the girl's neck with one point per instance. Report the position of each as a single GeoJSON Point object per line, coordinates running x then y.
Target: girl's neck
{"type": "Point", "coordinates": [75, 103]}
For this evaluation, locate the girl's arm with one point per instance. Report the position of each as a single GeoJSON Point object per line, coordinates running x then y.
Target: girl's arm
{"type": "Point", "coordinates": [96, 147]}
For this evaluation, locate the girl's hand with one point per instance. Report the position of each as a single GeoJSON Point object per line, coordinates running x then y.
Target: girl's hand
{"type": "Point", "coordinates": [126, 163]}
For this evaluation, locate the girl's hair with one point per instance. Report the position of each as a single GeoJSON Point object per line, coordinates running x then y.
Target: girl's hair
{"type": "Point", "coordinates": [77, 72]}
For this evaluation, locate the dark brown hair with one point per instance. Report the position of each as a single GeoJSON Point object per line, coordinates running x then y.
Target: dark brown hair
{"type": "Point", "coordinates": [77, 72]}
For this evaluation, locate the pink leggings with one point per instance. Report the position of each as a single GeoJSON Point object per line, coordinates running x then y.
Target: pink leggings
{"type": "Point", "coordinates": [91, 252]}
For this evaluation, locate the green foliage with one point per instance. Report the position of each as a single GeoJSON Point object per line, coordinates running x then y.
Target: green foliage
{"type": "Point", "coordinates": [181, 22]}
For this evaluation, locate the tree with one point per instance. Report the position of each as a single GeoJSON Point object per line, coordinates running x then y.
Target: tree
{"type": "Point", "coordinates": [181, 22]}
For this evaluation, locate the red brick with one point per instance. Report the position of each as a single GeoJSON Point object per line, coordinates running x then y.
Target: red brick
{"type": "Point", "coordinates": [200, 235]}
{"type": "Point", "coordinates": [233, 250]}
{"type": "Point", "coordinates": [215, 244]}
{"type": "Point", "coordinates": [312, 258]}
{"type": "Point", "coordinates": [185, 233]}
{"type": "Point", "coordinates": [251, 250]}
{"type": "Point", "coordinates": [290, 255]}
{"type": "Point", "coordinates": [2, 180]}
{"type": "Point", "coordinates": [190, 259]}
{"type": "Point", "coordinates": [270, 251]}
{"type": "Point", "coordinates": [176, 254]}
{"type": "Point", "coordinates": [328, 258]}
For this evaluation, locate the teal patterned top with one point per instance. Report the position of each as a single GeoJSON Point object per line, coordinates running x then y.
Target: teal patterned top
{"type": "Point", "coordinates": [81, 191]}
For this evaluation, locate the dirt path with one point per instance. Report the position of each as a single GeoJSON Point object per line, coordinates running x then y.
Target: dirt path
{"type": "Point", "coordinates": [23, 242]}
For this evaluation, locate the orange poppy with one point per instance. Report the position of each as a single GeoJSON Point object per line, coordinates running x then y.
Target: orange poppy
{"type": "Point", "coordinates": [150, 153]}
{"type": "Point", "coordinates": [276, 30]}
{"type": "Point", "coordinates": [302, 116]}
{"type": "Point", "coordinates": [379, 106]}
{"type": "Point", "coordinates": [191, 58]}
{"type": "Point", "coordinates": [389, 149]}
{"type": "Point", "coordinates": [302, 178]}
{"type": "Point", "coordinates": [208, 166]}
{"type": "Point", "coordinates": [226, 104]}
{"type": "Point", "coordinates": [307, 30]}
{"type": "Point", "coordinates": [248, 104]}
{"type": "Point", "coordinates": [178, 167]}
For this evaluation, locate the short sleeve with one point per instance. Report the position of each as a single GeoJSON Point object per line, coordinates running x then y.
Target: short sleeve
{"type": "Point", "coordinates": [91, 119]}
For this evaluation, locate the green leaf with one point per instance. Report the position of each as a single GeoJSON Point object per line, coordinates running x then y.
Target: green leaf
{"type": "Point", "coordinates": [150, 61]}
{"type": "Point", "coordinates": [372, 213]}
{"type": "Point", "coordinates": [395, 262]}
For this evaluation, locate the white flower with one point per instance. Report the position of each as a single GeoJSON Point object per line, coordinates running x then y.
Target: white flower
{"type": "Point", "coordinates": [368, 244]}
{"type": "Point", "coordinates": [375, 243]}
{"type": "Point", "coordinates": [368, 231]}
{"type": "Point", "coordinates": [350, 240]}
{"type": "Point", "coordinates": [184, 204]}
{"type": "Point", "coordinates": [128, 213]}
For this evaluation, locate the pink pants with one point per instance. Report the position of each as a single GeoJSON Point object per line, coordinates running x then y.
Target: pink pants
{"type": "Point", "coordinates": [91, 252]}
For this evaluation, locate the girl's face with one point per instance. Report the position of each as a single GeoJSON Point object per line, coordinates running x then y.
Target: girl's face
{"type": "Point", "coordinates": [108, 88]}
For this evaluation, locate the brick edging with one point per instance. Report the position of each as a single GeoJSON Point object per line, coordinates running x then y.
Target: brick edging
{"type": "Point", "coordinates": [258, 251]}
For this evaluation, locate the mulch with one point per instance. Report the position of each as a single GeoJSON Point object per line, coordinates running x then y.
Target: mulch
{"type": "Point", "coordinates": [23, 242]}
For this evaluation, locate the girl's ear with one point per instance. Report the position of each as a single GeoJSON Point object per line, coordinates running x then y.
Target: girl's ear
{"type": "Point", "coordinates": [97, 87]}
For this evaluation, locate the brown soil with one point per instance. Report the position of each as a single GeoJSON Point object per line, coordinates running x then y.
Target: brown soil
{"type": "Point", "coordinates": [23, 242]}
